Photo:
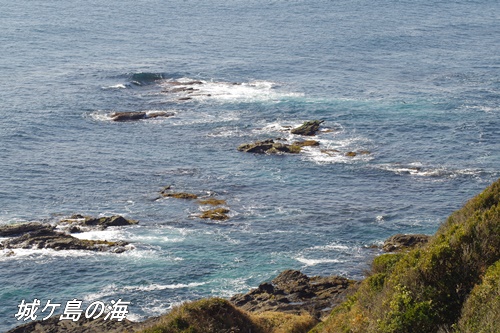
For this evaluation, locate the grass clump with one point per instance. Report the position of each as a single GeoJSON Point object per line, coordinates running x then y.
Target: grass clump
{"type": "Point", "coordinates": [425, 289]}
{"type": "Point", "coordinates": [217, 315]}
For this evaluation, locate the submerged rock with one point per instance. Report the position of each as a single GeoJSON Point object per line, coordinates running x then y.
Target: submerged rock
{"type": "Point", "coordinates": [308, 128]}
{"type": "Point", "coordinates": [294, 292]}
{"type": "Point", "coordinates": [179, 195]}
{"type": "Point", "coordinates": [401, 242]}
{"type": "Point", "coordinates": [22, 228]}
{"type": "Point", "coordinates": [212, 202]}
{"type": "Point", "coordinates": [131, 116]}
{"type": "Point", "coordinates": [51, 239]}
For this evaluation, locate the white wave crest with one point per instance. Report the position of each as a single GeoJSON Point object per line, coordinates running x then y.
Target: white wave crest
{"type": "Point", "coordinates": [313, 262]}
{"type": "Point", "coordinates": [200, 90]}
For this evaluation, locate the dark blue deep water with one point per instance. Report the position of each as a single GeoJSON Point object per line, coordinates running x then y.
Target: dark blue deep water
{"type": "Point", "coordinates": [416, 83]}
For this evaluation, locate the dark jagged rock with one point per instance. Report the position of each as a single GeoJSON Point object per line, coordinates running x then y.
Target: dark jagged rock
{"type": "Point", "coordinates": [95, 223]}
{"type": "Point", "coordinates": [308, 128]}
{"type": "Point", "coordinates": [401, 242]}
{"type": "Point", "coordinates": [293, 292]}
{"type": "Point", "coordinates": [269, 147]}
{"type": "Point", "coordinates": [131, 116]}
{"type": "Point", "coordinates": [51, 239]}
{"type": "Point", "coordinates": [22, 228]}
{"type": "Point", "coordinates": [259, 147]}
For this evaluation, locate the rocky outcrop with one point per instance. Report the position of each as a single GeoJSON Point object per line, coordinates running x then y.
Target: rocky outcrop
{"type": "Point", "coordinates": [218, 214]}
{"type": "Point", "coordinates": [74, 222]}
{"type": "Point", "coordinates": [401, 242]}
{"type": "Point", "coordinates": [131, 116]}
{"type": "Point", "coordinates": [294, 292]}
{"type": "Point", "coordinates": [308, 128]}
{"type": "Point", "coordinates": [51, 239]}
{"type": "Point", "coordinates": [269, 147]}
{"type": "Point", "coordinates": [22, 228]}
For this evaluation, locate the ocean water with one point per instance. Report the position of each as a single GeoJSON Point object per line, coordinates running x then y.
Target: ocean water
{"type": "Point", "coordinates": [416, 83]}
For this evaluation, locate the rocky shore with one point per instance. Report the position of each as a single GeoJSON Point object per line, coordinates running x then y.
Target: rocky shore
{"type": "Point", "coordinates": [36, 235]}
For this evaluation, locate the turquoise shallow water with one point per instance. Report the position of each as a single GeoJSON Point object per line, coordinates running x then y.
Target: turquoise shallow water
{"type": "Point", "coordinates": [417, 85]}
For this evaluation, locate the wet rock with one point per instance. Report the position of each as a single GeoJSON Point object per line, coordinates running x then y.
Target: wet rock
{"type": "Point", "coordinates": [351, 154]}
{"type": "Point", "coordinates": [259, 147]}
{"type": "Point", "coordinates": [218, 214]}
{"type": "Point", "coordinates": [22, 228]}
{"type": "Point", "coordinates": [131, 116]}
{"type": "Point", "coordinates": [401, 242]}
{"type": "Point", "coordinates": [76, 221]}
{"type": "Point", "coordinates": [51, 239]}
{"type": "Point", "coordinates": [293, 292]}
{"type": "Point", "coordinates": [330, 152]}
{"type": "Point", "coordinates": [269, 147]}
{"type": "Point", "coordinates": [307, 143]}
{"type": "Point", "coordinates": [308, 128]}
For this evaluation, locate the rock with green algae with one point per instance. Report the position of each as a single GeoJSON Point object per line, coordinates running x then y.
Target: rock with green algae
{"type": "Point", "coordinates": [306, 143]}
{"type": "Point", "coordinates": [218, 214]}
{"type": "Point", "coordinates": [269, 147]}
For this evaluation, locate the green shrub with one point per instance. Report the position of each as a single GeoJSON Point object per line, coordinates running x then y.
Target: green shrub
{"type": "Point", "coordinates": [425, 289]}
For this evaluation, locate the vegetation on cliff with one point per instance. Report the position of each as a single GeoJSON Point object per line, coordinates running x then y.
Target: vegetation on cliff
{"type": "Point", "coordinates": [216, 315]}
{"type": "Point", "coordinates": [449, 285]}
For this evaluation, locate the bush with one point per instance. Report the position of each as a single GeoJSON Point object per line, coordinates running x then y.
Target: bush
{"type": "Point", "coordinates": [425, 289]}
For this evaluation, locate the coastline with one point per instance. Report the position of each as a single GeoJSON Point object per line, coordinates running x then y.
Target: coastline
{"type": "Point", "coordinates": [438, 264]}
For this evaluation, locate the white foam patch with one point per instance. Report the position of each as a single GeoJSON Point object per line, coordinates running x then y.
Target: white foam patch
{"type": "Point", "coordinates": [154, 286]}
{"type": "Point", "coordinates": [226, 91]}
{"type": "Point", "coordinates": [227, 287]}
{"type": "Point", "coordinates": [108, 234]}
{"type": "Point", "coordinates": [331, 247]}
{"type": "Point", "coordinates": [41, 254]}
{"type": "Point", "coordinates": [313, 262]}
{"type": "Point", "coordinates": [116, 86]}
{"type": "Point", "coordinates": [419, 170]}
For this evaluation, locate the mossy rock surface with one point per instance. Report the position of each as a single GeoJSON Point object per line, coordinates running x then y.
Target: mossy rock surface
{"type": "Point", "coordinates": [218, 214]}
{"type": "Point", "coordinates": [306, 143]}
